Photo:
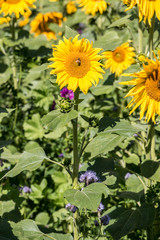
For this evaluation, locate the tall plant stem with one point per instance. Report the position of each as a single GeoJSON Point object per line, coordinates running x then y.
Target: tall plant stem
{"type": "Point", "coordinates": [75, 159]}
{"type": "Point", "coordinates": [13, 64]}
{"type": "Point", "coordinates": [75, 142]}
{"type": "Point", "coordinates": [151, 32]}
{"type": "Point", "coordinates": [150, 148]}
{"type": "Point", "coordinates": [140, 37]}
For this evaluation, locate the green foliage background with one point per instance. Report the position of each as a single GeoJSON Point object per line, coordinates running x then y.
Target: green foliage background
{"type": "Point", "coordinates": [33, 136]}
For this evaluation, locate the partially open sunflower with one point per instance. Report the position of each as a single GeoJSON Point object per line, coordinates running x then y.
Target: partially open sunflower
{"type": "Point", "coordinates": [146, 90]}
{"type": "Point", "coordinates": [92, 6]}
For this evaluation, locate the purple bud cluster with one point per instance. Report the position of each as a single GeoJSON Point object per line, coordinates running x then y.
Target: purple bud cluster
{"type": "Point", "coordinates": [65, 93]}
{"type": "Point", "coordinates": [71, 207]}
{"type": "Point", "coordinates": [104, 221]}
{"type": "Point", "coordinates": [88, 177]}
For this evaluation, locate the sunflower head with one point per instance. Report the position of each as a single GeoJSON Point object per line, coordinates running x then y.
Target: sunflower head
{"type": "Point", "coordinates": [70, 7]}
{"type": "Point", "coordinates": [92, 6]}
{"type": "Point", "coordinates": [40, 25]}
{"type": "Point", "coordinates": [146, 90]}
{"type": "Point", "coordinates": [129, 3]}
{"type": "Point", "coordinates": [119, 59]}
{"type": "Point", "coordinates": [76, 64]}
{"type": "Point", "coordinates": [7, 7]}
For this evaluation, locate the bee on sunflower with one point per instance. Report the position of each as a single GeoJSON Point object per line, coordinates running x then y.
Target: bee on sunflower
{"type": "Point", "coordinates": [76, 64]}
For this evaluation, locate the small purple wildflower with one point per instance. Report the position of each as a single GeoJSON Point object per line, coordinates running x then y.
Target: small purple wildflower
{"type": "Point", "coordinates": [96, 223]}
{"type": "Point", "coordinates": [135, 135]}
{"type": "Point", "coordinates": [71, 207]}
{"type": "Point", "coordinates": [88, 177]}
{"type": "Point", "coordinates": [127, 175]}
{"type": "Point", "coordinates": [61, 155]}
{"type": "Point", "coordinates": [53, 105]}
{"type": "Point", "coordinates": [105, 220]}
{"type": "Point", "coordinates": [26, 189]}
{"type": "Point", "coordinates": [65, 93]}
{"type": "Point", "coordinates": [100, 208]}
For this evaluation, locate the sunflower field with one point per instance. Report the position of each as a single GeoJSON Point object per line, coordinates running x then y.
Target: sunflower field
{"type": "Point", "coordinates": [79, 119]}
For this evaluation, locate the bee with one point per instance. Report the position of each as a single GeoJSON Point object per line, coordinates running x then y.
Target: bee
{"type": "Point", "coordinates": [78, 61]}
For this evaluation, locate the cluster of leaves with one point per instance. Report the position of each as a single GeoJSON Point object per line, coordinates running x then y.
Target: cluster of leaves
{"type": "Point", "coordinates": [36, 141]}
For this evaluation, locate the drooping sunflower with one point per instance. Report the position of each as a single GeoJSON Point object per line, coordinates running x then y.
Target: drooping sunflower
{"type": "Point", "coordinates": [26, 16]}
{"type": "Point", "coordinates": [40, 24]}
{"type": "Point", "coordinates": [146, 90]}
{"type": "Point", "coordinates": [92, 6]}
{"type": "Point", "coordinates": [147, 8]}
{"type": "Point", "coordinates": [5, 20]}
{"type": "Point", "coordinates": [16, 6]}
{"type": "Point", "coordinates": [119, 59]}
{"type": "Point", "coordinates": [70, 7]}
{"type": "Point", "coordinates": [130, 3]}
{"type": "Point", "coordinates": [76, 64]}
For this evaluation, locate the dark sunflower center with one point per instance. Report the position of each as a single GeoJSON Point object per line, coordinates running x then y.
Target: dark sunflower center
{"type": "Point", "coordinates": [118, 55]}
{"type": "Point", "coordinates": [152, 85]}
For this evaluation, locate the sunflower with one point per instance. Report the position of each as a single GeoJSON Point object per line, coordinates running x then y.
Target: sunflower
{"type": "Point", "coordinates": [16, 6]}
{"type": "Point", "coordinates": [119, 59]}
{"type": "Point", "coordinates": [40, 24]}
{"type": "Point", "coordinates": [92, 6]}
{"type": "Point", "coordinates": [5, 20]}
{"type": "Point", "coordinates": [26, 16]}
{"type": "Point", "coordinates": [70, 7]}
{"type": "Point", "coordinates": [146, 92]}
{"type": "Point", "coordinates": [130, 3]}
{"type": "Point", "coordinates": [147, 8]}
{"type": "Point", "coordinates": [76, 64]}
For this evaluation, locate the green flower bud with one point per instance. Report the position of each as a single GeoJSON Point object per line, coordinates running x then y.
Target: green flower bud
{"type": "Point", "coordinates": [93, 122]}
{"type": "Point", "coordinates": [65, 105]}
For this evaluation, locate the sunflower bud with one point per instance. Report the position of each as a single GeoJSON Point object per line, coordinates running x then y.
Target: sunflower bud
{"type": "Point", "coordinates": [65, 105]}
{"type": "Point", "coordinates": [93, 122]}
{"type": "Point", "coordinates": [141, 58]}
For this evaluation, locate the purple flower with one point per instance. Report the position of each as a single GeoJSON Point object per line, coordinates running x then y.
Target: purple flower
{"type": "Point", "coordinates": [100, 208]}
{"type": "Point", "coordinates": [61, 155]}
{"type": "Point", "coordinates": [96, 223]}
{"type": "Point", "coordinates": [88, 177]}
{"type": "Point", "coordinates": [105, 220]}
{"type": "Point", "coordinates": [26, 189]}
{"type": "Point", "coordinates": [65, 93]}
{"type": "Point", "coordinates": [71, 207]}
{"type": "Point", "coordinates": [53, 105]}
{"type": "Point", "coordinates": [127, 175]}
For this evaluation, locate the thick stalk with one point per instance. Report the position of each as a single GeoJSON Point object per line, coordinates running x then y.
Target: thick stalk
{"type": "Point", "coordinates": [151, 32]}
{"type": "Point", "coordinates": [140, 37]}
{"type": "Point", "coordinates": [75, 159]}
{"type": "Point", "coordinates": [150, 147]}
{"type": "Point", "coordinates": [13, 64]}
{"type": "Point", "coordinates": [75, 142]}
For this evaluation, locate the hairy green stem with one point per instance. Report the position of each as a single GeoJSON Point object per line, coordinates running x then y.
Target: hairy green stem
{"type": "Point", "coordinates": [151, 32]}
{"type": "Point", "coordinates": [150, 147]}
{"type": "Point", "coordinates": [75, 159]}
{"type": "Point", "coordinates": [13, 63]}
{"type": "Point", "coordinates": [75, 142]}
{"type": "Point", "coordinates": [140, 37]}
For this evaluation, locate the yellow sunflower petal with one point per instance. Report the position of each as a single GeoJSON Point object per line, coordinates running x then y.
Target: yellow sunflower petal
{"type": "Point", "coordinates": [76, 64]}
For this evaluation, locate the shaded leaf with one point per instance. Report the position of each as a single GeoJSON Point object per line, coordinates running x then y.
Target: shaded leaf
{"type": "Point", "coordinates": [89, 197]}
